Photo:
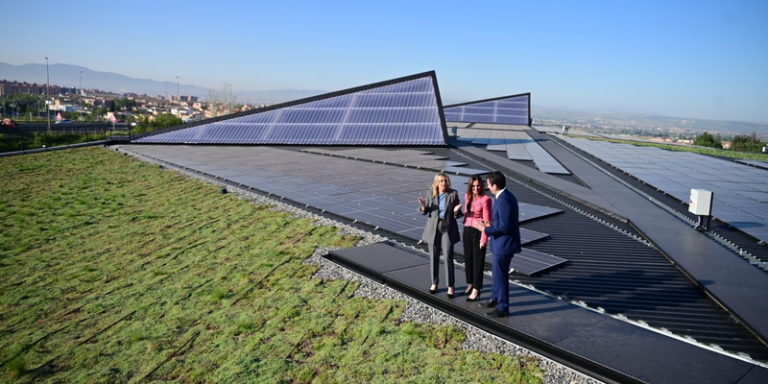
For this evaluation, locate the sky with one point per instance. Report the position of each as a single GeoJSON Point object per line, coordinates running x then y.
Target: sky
{"type": "Point", "coordinates": [698, 59]}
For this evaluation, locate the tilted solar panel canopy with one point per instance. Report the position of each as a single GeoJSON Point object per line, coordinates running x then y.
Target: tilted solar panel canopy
{"type": "Point", "coordinates": [404, 111]}
{"type": "Point", "coordinates": [515, 109]}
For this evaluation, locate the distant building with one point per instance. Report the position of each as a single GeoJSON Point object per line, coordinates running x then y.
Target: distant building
{"type": "Point", "coordinates": [185, 98]}
{"type": "Point", "coordinates": [726, 144]}
{"type": "Point", "coordinates": [10, 87]}
{"type": "Point", "coordinates": [64, 106]}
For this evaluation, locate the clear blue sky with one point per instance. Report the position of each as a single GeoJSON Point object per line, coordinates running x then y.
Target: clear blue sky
{"type": "Point", "coordinates": [699, 59]}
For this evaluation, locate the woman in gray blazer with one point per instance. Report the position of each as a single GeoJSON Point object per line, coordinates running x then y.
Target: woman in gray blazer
{"type": "Point", "coordinates": [442, 205]}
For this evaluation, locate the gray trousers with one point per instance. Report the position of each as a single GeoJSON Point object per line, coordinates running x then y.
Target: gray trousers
{"type": "Point", "coordinates": [441, 245]}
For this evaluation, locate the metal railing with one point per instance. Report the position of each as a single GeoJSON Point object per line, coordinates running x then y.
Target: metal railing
{"type": "Point", "coordinates": [35, 136]}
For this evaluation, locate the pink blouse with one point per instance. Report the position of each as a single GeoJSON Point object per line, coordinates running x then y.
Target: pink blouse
{"type": "Point", "coordinates": [480, 210]}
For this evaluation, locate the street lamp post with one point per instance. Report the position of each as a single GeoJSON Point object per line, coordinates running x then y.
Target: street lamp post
{"type": "Point", "coordinates": [81, 82]}
{"type": "Point", "coordinates": [166, 96]}
{"type": "Point", "coordinates": [47, 96]}
{"type": "Point", "coordinates": [178, 95]}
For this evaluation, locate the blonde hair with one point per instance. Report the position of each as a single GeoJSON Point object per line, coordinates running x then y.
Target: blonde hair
{"type": "Point", "coordinates": [436, 183]}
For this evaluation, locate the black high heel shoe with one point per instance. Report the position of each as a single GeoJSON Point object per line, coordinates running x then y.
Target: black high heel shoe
{"type": "Point", "coordinates": [451, 295]}
{"type": "Point", "coordinates": [432, 291]}
{"type": "Point", "coordinates": [469, 298]}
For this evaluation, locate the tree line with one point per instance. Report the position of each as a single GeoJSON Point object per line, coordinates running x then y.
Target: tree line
{"type": "Point", "coordinates": [744, 143]}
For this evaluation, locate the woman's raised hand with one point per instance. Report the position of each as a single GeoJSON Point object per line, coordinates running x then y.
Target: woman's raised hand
{"type": "Point", "coordinates": [422, 202]}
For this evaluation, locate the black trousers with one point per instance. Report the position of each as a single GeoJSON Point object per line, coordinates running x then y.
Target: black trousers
{"type": "Point", "coordinates": [474, 257]}
{"type": "Point", "coordinates": [442, 245]}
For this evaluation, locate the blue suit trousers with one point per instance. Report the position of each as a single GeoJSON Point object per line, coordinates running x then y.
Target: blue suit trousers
{"type": "Point", "coordinates": [500, 272]}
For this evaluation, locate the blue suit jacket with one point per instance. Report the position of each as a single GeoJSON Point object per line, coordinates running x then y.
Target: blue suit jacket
{"type": "Point", "coordinates": [505, 231]}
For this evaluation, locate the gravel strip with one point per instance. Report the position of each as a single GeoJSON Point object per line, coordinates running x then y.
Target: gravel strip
{"type": "Point", "coordinates": [416, 311]}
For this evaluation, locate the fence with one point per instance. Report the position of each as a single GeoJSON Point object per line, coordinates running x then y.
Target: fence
{"type": "Point", "coordinates": [36, 136]}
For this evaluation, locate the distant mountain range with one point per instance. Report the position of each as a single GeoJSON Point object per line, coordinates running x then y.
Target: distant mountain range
{"type": "Point", "coordinates": [67, 75]}
{"type": "Point", "coordinates": [650, 120]}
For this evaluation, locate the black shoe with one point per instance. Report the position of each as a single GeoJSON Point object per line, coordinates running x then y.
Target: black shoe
{"type": "Point", "coordinates": [471, 299]}
{"type": "Point", "coordinates": [451, 295]}
{"type": "Point", "coordinates": [433, 291]}
{"type": "Point", "coordinates": [490, 304]}
{"type": "Point", "coordinates": [496, 314]}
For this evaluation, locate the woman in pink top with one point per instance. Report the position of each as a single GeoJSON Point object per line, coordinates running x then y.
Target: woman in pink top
{"type": "Point", "coordinates": [478, 207]}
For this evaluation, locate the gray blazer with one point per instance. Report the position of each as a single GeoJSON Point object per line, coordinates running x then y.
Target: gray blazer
{"type": "Point", "coordinates": [433, 206]}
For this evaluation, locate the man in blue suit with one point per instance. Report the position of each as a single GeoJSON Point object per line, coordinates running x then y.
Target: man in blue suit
{"type": "Point", "coordinates": [504, 231]}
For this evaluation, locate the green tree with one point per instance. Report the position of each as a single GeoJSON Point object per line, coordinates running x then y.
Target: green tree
{"type": "Point", "coordinates": [98, 113]}
{"type": "Point", "coordinates": [166, 120]}
{"type": "Point", "coordinates": [747, 143]}
{"type": "Point", "coordinates": [707, 140]}
{"type": "Point", "coordinates": [124, 103]}
{"type": "Point", "coordinates": [144, 124]}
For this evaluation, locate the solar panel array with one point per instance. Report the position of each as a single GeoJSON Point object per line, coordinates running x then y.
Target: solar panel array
{"type": "Point", "coordinates": [404, 113]}
{"type": "Point", "coordinates": [755, 163]}
{"type": "Point", "coordinates": [518, 145]}
{"type": "Point", "coordinates": [511, 110]}
{"type": "Point", "coordinates": [740, 191]}
{"type": "Point", "coordinates": [380, 195]}
{"type": "Point", "coordinates": [405, 157]}
{"type": "Point", "coordinates": [529, 261]}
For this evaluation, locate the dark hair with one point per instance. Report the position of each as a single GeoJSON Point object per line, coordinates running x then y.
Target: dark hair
{"type": "Point", "coordinates": [469, 190]}
{"type": "Point", "coordinates": [497, 178]}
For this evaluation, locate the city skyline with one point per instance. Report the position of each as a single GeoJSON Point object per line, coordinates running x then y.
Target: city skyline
{"type": "Point", "coordinates": [691, 59]}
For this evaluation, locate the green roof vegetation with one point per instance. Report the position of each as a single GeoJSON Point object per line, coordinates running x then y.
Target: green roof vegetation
{"type": "Point", "coordinates": [114, 270]}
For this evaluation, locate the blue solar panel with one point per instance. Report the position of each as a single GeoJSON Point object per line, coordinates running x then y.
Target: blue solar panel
{"type": "Point", "coordinates": [509, 110]}
{"type": "Point", "coordinates": [398, 112]}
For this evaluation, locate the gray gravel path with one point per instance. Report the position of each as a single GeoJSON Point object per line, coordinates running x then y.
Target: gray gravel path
{"type": "Point", "coordinates": [416, 311]}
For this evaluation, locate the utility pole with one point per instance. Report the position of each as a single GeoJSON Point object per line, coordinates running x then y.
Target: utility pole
{"type": "Point", "coordinates": [228, 97]}
{"type": "Point", "coordinates": [178, 95]}
{"type": "Point", "coordinates": [166, 95]}
{"type": "Point", "coordinates": [231, 99]}
{"type": "Point", "coordinates": [81, 82]}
